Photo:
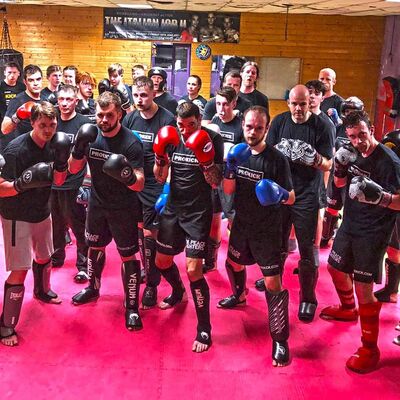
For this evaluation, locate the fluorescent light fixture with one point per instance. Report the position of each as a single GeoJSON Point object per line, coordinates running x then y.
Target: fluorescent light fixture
{"type": "Point", "coordinates": [392, 1]}
{"type": "Point", "coordinates": [137, 6]}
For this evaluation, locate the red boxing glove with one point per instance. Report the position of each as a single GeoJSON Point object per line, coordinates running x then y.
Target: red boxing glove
{"type": "Point", "coordinates": [24, 112]}
{"type": "Point", "coordinates": [166, 135]}
{"type": "Point", "coordinates": [201, 145]}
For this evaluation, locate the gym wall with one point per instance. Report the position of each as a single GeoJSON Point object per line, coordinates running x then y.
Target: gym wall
{"type": "Point", "coordinates": [350, 45]}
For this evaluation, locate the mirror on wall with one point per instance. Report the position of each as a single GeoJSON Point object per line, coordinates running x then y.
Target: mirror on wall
{"type": "Point", "coordinates": [277, 74]}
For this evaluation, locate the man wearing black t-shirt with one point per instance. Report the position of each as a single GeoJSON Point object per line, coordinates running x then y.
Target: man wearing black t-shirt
{"type": "Point", "coordinates": [25, 184]}
{"type": "Point", "coordinates": [65, 211]}
{"type": "Point", "coordinates": [54, 77]}
{"type": "Point", "coordinates": [259, 175]}
{"type": "Point", "coordinates": [305, 139]}
{"type": "Point", "coordinates": [17, 118]}
{"type": "Point", "coordinates": [193, 88]}
{"type": "Point", "coordinates": [9, 88]}
{"type": "Point", "coordinates": [146, 121]}
{"type": "Point", "coordinates": [371, 173]}
{"type": "Point", "coordinates": [196, 162]}
{"type": "Point", "coordinates": [234, 80]}
{"type": "Point", "coordinates": [115, 158]}
{"type": "Point", "coordinates": [230, 127]}
{"type": "Point", "coordinates": [162, 97]}
{"type": "Point", "coordinates": [86, 82]}
{"type": "Point", "coordinates": [332, 101]}
{"type": "Point", "coordinates": [250, 73]}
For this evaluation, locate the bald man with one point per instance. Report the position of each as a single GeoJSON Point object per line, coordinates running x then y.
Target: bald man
{"type": "Point", "coordinates": [305, 139]}
{"type": "Point", "coordinates": [332, 101]}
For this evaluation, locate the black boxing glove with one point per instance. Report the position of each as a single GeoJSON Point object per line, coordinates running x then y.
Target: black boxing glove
{"type": "Point", "coordinates": [82, 107]}
{"type": "Point", "coordinates": [86, 134]}
{"type": "Point", "coordinates": [123, 94]}
{"type": "Point", "coordinates": [104, 86]}
{"type": "Point", "coordinates": [365, 190]}
{"type": "Point", "coordinates": [61, 144]}
{"type": "Point", "coordinates": [37, 176]}
{"type": "Point", "coordinates": [118, 167]}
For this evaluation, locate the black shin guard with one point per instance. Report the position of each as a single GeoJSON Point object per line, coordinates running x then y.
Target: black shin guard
{"type": "Point", "coordinates": [237, 279]}
{"type": "Point", "coordinates": [153, 276]}
{"type": "Point", "coordinates": [308, 277]}
{"type": "Point", "coordinates": [41, 282]}
{"type": "Point", "coordinates": [13, 298]}
{"type": "Point", "coordinates": [131, 281]}
{"type": "Point", "coordinates": [173, 277]}
{"type": "Point", "coordinates": [329, 224]}
{"type": "Point", "coordinates": [278, 317]}
{"type": "Point", "coordinates": [95, 263]}
{"type": "Point", "coordinates": [201, 297]}
{"type": "Point", "coordinates": [211, 259]}
{"type": "Point", "coordinates": [388, 294]}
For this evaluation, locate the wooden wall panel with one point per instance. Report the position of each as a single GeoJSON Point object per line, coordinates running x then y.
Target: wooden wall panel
{"type": "Point", "coordinates": [350, 45]}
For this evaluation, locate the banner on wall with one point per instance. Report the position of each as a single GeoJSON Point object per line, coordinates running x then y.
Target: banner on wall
{"type": "Point", "coordinates": [162, 25]}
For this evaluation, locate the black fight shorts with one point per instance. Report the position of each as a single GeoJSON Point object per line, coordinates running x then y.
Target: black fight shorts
{"type": "Point", "coordinates": [103, 225]}
{"type": "Point", "coordinates": [395, 237]}
{"type": "Point", "coordinates": [250, 244]}
{"type": "Point", "coordinates": [190, 230]}
{"type": "Point", "coordinates": [360, 256]}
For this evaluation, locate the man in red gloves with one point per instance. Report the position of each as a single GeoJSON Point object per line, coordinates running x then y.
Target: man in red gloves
{"type": "Point", "coordinates": [195, 157]}
{"type": "Point", "coordinates": [17, 118]}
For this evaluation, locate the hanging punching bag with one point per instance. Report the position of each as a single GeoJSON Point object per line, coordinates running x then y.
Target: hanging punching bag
{"type": "Point", "coordinates": [7, 53]}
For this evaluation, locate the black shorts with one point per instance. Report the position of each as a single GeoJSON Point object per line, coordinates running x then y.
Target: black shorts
{"type": "Point", "coordinates": [359, 256]}
{"type": "Point", "coordinates": [216, 203]}
{"type": "Point", "coordinates": [335, 196]}
{"type": "Point", "coordinates": [251, 243]}
{"type": "Point", "coordinates": [150, 217]}
{"type": "Point", "coordinates": [190, 230]}
{"type": "Point", "coordinates": [226, 201]}
{"type": "Point", "coordinates": [103, 225]}
{"type": "Point", "coordinates": [395, 237]}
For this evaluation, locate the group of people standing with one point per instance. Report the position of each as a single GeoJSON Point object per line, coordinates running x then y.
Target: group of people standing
{"type": "Point", "coordinates": [162, 172]}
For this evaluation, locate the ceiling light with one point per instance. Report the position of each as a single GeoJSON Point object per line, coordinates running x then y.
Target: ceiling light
{"type": "Point", "coordinates": [137, 6]}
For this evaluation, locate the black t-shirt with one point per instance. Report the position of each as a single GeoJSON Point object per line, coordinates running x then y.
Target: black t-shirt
{"type": "Point", "coordinates": [32, 205]}
{"type": "Point", "coordinates": [369, 220]}
{"type": "Point", "coordinates": [189, 191]}
{"type": "Point", "coordinates": [7, 93]}
{"type": "Point", "coordinates": [269, 164]}
{"type": "Point", "coordinates": [71, 127]}
{"type": "Point", "coordinates": [231, 132]}
{"type": "Point", "coordinates": [316, 132]}
{"type": "Point", "coordinates": [199, 101]}
{"type": "Point", "coordinates": [334, 101]}
{"type": "Point", "coordinates": [107, 192]}
{"type": "Point", "coordinates": [45, 93]}
{"type": "Point", "coordinates": [167, 101]}
{"type": "Point", "coordinates": [256, 98]}
{"type": "Point", "coordinates": [331, 125]}
{"type": "Point", "coordinates": [211, 109]}
{"type": "Point", "coordinates": [24, 125]}
{"type": "Point", "coordinates": [147, 130]}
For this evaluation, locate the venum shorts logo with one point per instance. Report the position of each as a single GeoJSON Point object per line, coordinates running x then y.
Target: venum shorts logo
{"type": "Point", "coordinates": [146, 136]}
{"type": "Point", "coordinates": [91, 237]}
{"type": "Point", "coordinates": [185, 159]}
{"type": "Point", "coordinates": [249, 174]}
{"type": "Point", "coordinates": [335, 256]}
{"type": "Point", "coordinates": [234, 252]}
{"type": "Point", "coordinates": [98, 154]}
{"type": "Point", "coordinates": [195, 245]}
{"type": "Point", "coordinates": [199, 298]}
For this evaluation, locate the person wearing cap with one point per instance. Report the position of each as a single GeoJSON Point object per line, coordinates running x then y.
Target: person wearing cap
{"type": "Point", "coordinates": [162, 97]}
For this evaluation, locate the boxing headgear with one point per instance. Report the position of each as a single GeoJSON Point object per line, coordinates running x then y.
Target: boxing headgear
{"type": "Point", "coordinates": [392, 140]}
{"type": "Point", "coordinates": [159, 71]}
{"type": "Point", "coordinates": [352, 103]}
{"type": "Point", "coordinates": [392, 96]}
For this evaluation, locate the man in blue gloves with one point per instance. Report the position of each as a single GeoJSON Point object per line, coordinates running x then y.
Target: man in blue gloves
{"type": "Point", "coordinates": [260, 177]}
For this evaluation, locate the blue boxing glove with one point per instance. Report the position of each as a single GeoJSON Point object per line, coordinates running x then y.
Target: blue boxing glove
{"type": "Point", "coordinates": [162, 199]}
{"type": "Point", "coordinates": [236, 156]}
{"type": "Point", "coordinates": [269, 192]}
{"type": "Point", "coordinates": [334, 116]}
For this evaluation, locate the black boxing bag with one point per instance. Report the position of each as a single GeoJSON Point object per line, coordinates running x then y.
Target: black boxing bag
{"type": "Point", "coordinates": [392, 140]}
{"type": "Point", "coordinates": [392, 96]}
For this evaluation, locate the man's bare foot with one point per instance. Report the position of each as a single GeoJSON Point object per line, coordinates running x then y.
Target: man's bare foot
{"type": "Point", "coordinates": [278, 364]}
{"type": "Point", "coordinates": [199, 347]}
{"type": "Point", "coordinates": [172, 300]}
{"type": "Point", "coordinates": [56, 300]}
{"type": "Point", "coordinates": [10, 340]}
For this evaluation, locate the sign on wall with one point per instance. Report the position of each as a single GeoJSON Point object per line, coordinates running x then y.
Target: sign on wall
{"type": "Point", "coordinates": [162, 25]}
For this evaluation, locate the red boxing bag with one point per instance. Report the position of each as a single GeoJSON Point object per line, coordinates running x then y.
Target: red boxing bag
{"type": "Point", "coordinates": [392, 96]}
